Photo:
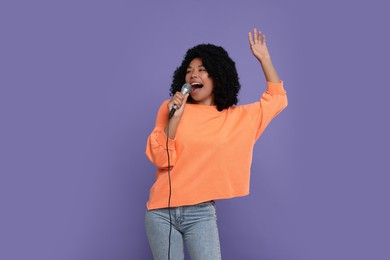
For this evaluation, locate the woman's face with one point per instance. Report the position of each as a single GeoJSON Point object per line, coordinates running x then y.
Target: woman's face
{"type": "Point", "coordinates": [202, 84]}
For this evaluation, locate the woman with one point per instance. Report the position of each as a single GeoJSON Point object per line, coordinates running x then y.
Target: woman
{"type": "Point", "coordinates": [204, 152]}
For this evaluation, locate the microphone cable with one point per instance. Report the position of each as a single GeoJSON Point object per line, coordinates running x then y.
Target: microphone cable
{"type": "Point", "coordinates": [185, 89]}
{"type": "Point", "coordinates": [170, 194]}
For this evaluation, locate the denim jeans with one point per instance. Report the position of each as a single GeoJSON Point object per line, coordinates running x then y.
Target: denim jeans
{"type": "Point", "coordinates": [195, 226]}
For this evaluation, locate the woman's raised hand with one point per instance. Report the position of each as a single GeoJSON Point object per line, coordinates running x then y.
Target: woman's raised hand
{"type": "Point", "coordinates": [258, 45]}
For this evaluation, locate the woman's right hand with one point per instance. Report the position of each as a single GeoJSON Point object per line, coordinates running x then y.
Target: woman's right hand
{"type": "Point", "coordinates": [180, 101]}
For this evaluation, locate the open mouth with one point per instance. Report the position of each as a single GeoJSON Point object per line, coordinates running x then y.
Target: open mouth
{"type": "Point", "coordinates": [196, 85]}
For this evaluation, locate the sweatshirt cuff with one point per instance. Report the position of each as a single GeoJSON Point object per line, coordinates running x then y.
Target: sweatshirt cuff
{"type": "Point", "coordinates": [274, 88]}
{"type": "Point", "coordinates": [162, 139]}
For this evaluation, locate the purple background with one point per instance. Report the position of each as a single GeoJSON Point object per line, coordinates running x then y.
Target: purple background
{"type": "Point", "coordinates": [81, 82]}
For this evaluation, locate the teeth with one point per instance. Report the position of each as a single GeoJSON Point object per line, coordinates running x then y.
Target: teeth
{"type": "Point", "coordinates": [196, 85]}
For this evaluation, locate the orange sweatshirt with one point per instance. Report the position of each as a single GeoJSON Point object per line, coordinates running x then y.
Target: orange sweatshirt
{"type": "Point", "coordinates": [211, 154]}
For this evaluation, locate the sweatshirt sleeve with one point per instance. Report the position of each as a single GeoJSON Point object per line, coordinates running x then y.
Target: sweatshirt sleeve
{"type": "Point", "coordinates": [156, 146]}
{"type": "Point", "coordinates": [272, 102]}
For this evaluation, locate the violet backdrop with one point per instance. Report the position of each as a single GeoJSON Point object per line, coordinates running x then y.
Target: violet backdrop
{"type": "Point", "coordinates": [81, 82]}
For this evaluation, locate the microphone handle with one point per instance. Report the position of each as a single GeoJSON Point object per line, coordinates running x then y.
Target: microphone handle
{"type": "Point", "coordinates": [173, 110]}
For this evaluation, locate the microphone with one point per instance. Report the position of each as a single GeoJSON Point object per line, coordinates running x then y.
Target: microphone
{"type": "Point", "coordinates": [186, 88]}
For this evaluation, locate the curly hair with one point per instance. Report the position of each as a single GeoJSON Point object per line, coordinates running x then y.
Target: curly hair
{"type": "Point", "coordinates": [221, 69]}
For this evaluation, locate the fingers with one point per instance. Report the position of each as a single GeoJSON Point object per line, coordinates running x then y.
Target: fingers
{"type": "Point", "coordinates": [185, 98]}
{"type": "Point", "coordinates": [177, 100]}
{"type": "Point", "coordinates": [262, 38]}
{"type": "Point", "coordinates": [251, 42]}
{"type": "Point", "coordinates": [258, 37]}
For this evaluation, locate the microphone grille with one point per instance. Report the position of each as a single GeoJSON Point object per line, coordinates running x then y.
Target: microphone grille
{"type": "Point", "coordinates": [186, 88]}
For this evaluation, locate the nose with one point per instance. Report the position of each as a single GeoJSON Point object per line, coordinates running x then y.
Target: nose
{"type": "Point", "coordinates": [194, 74]}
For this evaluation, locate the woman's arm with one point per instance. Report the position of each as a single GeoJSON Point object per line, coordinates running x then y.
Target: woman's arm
{"type": "Point", "coordinates": [274, 99]}
{"type": "Point", "coordinates": [156, 147]}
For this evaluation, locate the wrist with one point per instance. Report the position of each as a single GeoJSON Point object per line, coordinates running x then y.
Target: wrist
{"type": "Point", "coordinates": [265, 60]}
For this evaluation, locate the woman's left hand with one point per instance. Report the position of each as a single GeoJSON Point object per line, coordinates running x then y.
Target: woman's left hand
{"type": "Point", "coordinates": [258, 45]}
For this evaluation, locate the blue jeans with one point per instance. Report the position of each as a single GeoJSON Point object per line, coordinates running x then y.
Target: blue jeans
{"type": "Point", "coordinates": [195, 226]}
